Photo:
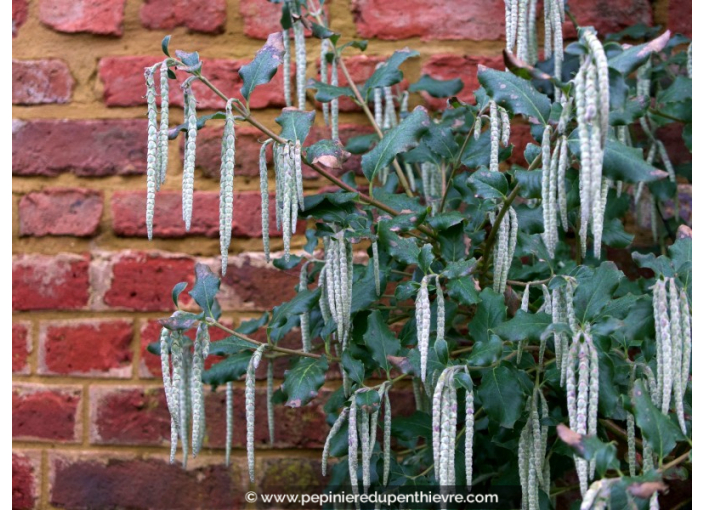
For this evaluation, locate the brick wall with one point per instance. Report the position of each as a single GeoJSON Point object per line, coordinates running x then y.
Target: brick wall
{"type": "Point", "coordinates": [89, 425]}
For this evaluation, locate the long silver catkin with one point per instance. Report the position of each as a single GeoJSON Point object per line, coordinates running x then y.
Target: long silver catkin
{"type": "Point", "coordinates": [334, 430]}
{"type": "Point", "coordinates": [176, 384]}
{"type": "Point", "coordinates": [227, 176]}
{"type": "Point", "coordinates": [304, 317]}
{"type": "Point", "coordinates": [387, 438]}
{"type": "Point", "coordinates": [300, 40]}
{"type": "Point", "coordinates": [152, 141]}
{"type": "Point", "coordinates": [249, 406]}
{"type": "Point", "coordinates": [228, 422]}
{"type": "Point", "coordinates": [189, 159]}
{"type": "Point", "coordinates": [197, 401]}
{"type": "Point", "coordinates": [495, 132]}
{"type": "Point", "coordinates": [469, 436]}
{"type": "Point", "coordinates": [286, 36]}
{"type": "Point", "coordinates": [423, 325]}
{"type": "Point", "coordinates": [324, 49]}
{"type": "Point", "coordinates": [352, 446]}
{"type": "Point", "coordinates": [334, 104]}
{"type": "Point", "coordinates": [164, 124]}
{"type": "Point", "coordinates": [264, 190]}
{"type": "Point", "coordinates": [270, 400]}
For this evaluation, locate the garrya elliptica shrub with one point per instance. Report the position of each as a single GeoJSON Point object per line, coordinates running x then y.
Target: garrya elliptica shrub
{"type": "Point", "coordinates": [483, 286]}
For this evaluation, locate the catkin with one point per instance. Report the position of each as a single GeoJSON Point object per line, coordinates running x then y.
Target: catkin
{"type": "Point", "coordinates": [227, 175]}
{"type": "Point", "coordinates": [176, 384]}
{"type": "Point", "coordinates": [305, 316]}
{"type": "Point", "coordinates": [270, 400]}
{"type": "Point", "coordinates": [352, 446]}
{"type": "Point", "coordinates": [249, 406]}
{"type": "Point", "coordinates": [228, 422]}
{"type": "Point", "coordinates": [288, 178]}
{"type": "Point", "coordinates": [198, 429]}
{"type": "Point", "coordinates": [299, 38]}
{"type": "Point", "coordinates": [689, 61]}
{"type": "Point", "coordinates": [387, 438]}
{"type": "Point", "coordinates": [423, 325]}
{"type": "Point", "coordinates": [264, 190]}
{"type": "Point", "coordinates": [440, 302]}
{"type": "Point", "coordinates": [324, 49]}
{"type": "Point", "coordinates": [686, 319]}
{"type": "Point", "coordinates": [495, 131]}
{"type": "Point", "coordinates": [469, 436]}
{"type": "Point", "coordinates": [164, 124]}
{"type": "Point", "coordinates": [339, 422]}
{"type": "Point", "coordinates": [378, 105]}
{"type": "Point", "coordinates": [335, 103]}
{"type": "Point", "coordinates": [287, 66]}
{"type": "Point", "coordinates": [665, 381]}
{"type": "Point", "coordinates": [677, 348]}
{"type": "Point", "coordinates": [152, 145]}
{"type": "Point", "coordinates": [185, 404]}
{"type": "Point", "coordinates": [377, 276]}
{"type": "Point", "coordinates": [363, 431]}
{"type": "Point", "coordinates": [389, 109]}
{"type": "Point", "coordinates": [189, 159]}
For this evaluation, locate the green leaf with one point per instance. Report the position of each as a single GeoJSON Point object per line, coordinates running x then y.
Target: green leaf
{"type": "Point", "coordinates": [326, 92]}
{"type": "Point", "coordinates": [353, 367]}
{"type": "Point", "coordinates": [459, 269]}
{"type": "Point", "coordinates": [410, 427]}
{"type": "Point", "coordinates": [190, 59]}
{"type": "Point", "coordinates": [590, 448]}
{"type": "Point", "coordinates": [364, 289]}
{"type": "Point", "coordinates": [615, 235]}
{"type": "Point", "coordinates": [426, 258]}
{"type": "Point", "coordinates": [368, 400]}
{"type": "Point", "coordinates": [529, 182]}
{"type": "Point", "coordinates": [295, 124]}
{"type": "Point", "coordinates": [321, 31]}
{"type": "Point", "coordinates": [263, 68]}
{"type": "Point", "coordinates": [180, 321]}
{"type": "Point", "coordinates": [403, 249]}
{"type": "Point", "coordinates": [362, 143]}
{"type": "Point", "coordinates": [231, 345]}
{"type": "Point", "coordinates": [230, 369]}
{"type": "Point", "coordinates": [165, 45]}
{"type": "Point", "coordinates": [515, 94]}
{"type": "Point", "coordinates": [502, 398]}
{"type": "Point", "coordinates": [477, 152]}
{"type": "Point", "coordinates": [491, 312]}
{"type": "Point", "coordinates": [680, 90]}
{"type": "Point", "coordinates": [622, 163]}
{"type": "Point", "coordinates": [489, 184]}
{"type": "Point", "coordinates": [485, 353]}
{"type": "Point", "coordinates": [380, 340]}
{"type": "Point", "coordinates": [627, 61]}
{"type": "Point", "coordinates": [303, 380]}
{"type": "Point", "coordinates": [463, 290]}
{"type": "Point", "coordinates": [524, 326]}
{"type": "Point", "coordinates": [437, 88]}
{"type": "Point", "coordinates": [595, 287]}
{"type": "Point", "coordinates": [444, 221]}
{"type": "Point", "coordinates": [205, 288]}
{"type": "Point", "coordinates": [301, 303]}
{"type": "Point", "coordinates": [441, 141]}
{"type": "Point", "coordinates": [329, 153]}
{"type": "Point", "coordinates": [176, 292]}
{"type": "Point", "coordinates": [251, 326]}
{"type": "Point", "coordinates": [388, 73]}
{"type": "Point", "coordinates": [658, 429]}
{"type": "Point", "coordinates": [398, 139]}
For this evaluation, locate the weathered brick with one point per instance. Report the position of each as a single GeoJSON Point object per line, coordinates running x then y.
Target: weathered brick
{"type": "Point", "coordinates": [120, 481]}
{"type": "Point", "coordinates": [360, 67]}
{"type": "Point", "coordinates": [206, 16]}
{"type": "Point", "coordinates": [94, 348]}
{"type": "Point", "coordinates": [609, 16]}
{"type": "Point", "coordinates": [301, 475]}
{"type": "Point", "coordinates": [150, 332]}
{"type": "Point", "coordinates": [302, 427]}
{"type": "Point", "coordinates": [668, 209]}
{"type": "Point", "coordinates": [140, 281]}
{"type": "Point", "coordinates": [128, 215]}
{"type": "Point", "coordinates": [50, 413]}
{"type": "Point", "coordinates": [435, 19]}
{"type": "Point", "coordinates": [448, 66]}
{"type": "Point", "coordinates": [41, 82]}
{"type": "Point", "coordinates": [61, 212]}
{"type": "Point", "coordinates": [26, 473]}
{"type": "Point", "coordinates": [261, 19]}
{"type": "Point", "coordinates": [88, 148]}
{"type": "Point", "coordinates": [21, 347]}
{"type": "Point", "coordinates": [102, 17]}
{"type": "Point", "coordinates": [129, 415]}
{"type": "Point", "coordinates": [123, 83]}
{"type": "Point", "coordinates": [679, 16]}
{"type": "Point", "coordinates": [49, 282]}
{"type": "Point", "coordinates": [252, 284]}
{"type": "Point", "coordinates": [19, 15]}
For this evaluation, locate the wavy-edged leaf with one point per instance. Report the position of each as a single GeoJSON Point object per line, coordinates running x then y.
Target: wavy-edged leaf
{"type": "Point", "coordinates": [380, 340]}
{"type": "Point", "coordinates": [329, 153]}
{"type": "Point", "coordinates": [515, 94]}
{"type": "Point", "coordinates": [441, 141]}
{"type": "Point", "coordinates": [231, 345]}
{"type": "Point", "coordinates": [326, 92]}
{"type": "Point", "coordinates": [263, 68]}
{"type": "Point", "coordinates": [295, 124]}
{"type": "Point", "coordinates": [437, 88]}
{"type": "Point", "coordinates": [662, 434]}
{"type": "Point", "coordinates": [489, 184]}
{"type": "Point", "coordinates": [388, 73]}
{"type": "Point", "coordinates": [502, 398]}
{"type": "Point", "coordinates": [205, 289]}
{"type": "Point", "coordinates": [398, 139]}
{"type": "Point", "coordinates": [229, 369]}
{"type": "Point", "coordinates": [303, 380]}
{"type": "Point", "coordinates": [524, 326]}
{"type": "Point", "coordinates": [485, 353]}
{"type": "Point", "coordinates": [491, 312]}
{"type": "Point", "coordinates": [176, 292]}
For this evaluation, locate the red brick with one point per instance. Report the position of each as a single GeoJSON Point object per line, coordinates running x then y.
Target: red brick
{"type": "Point", "coordinates": [261, 19]}
{"type": "Point", "coordinates": [302, 473]}
{"type": "Point", "coordinates": [252, 284]}
{"type": "Point", "coordinates": [102, 17]}
{"type": "Point", "coordinates": [26, 470]}
{"type": "Point", "coordinates": [95, 348]}
{"type": "Point", "coordinates": [61, 212]}
{"type": "Point", "coordinates": [679, 16]}
{"type": "Point", "coordinates": [123, 83]}
{"type": "Point", "coordinates": [448, 66]}
{"type": "Point", "coordinates": [46, 412]}
{"type": "Point", "coordinates": [109, 480]}
{"type": "Point", "coordinates": [129, 415]}
{"type": "Point", "coordinates": [150, 364]}
{"type": "Point", "coordinates": [520, 138]}
{"type": "Point", "coordinates": [128, 215]}
{"type": "Point", "coordinates": [206, 16]}
{"type": "Point", "coordinates": [19, 15]}
{"type": "Point", "coordinates": [41, 82]}
{"type": "Point", "coordinates": [435, 19]}
{"type": "Point", "coordinates": [360, 67]}
{"type": "Point", "coordinates": [49, 282]}
{"type": "Point", "coordinates": [21, 347]}
{"type": "Point", "coordinates": [302, 427]}
{"type": "Point", "coordinates": [141, 281]}
{"type": "Point", "coordinates": [87, 148]}
{"type": "Point", "coordinates": [609, 16]}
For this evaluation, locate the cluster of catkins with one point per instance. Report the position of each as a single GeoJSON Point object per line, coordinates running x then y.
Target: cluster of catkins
{"type": "Point", "coordinates": [673, 336]}
{"type": "Point", "coordinates": [499, 131]}
{"type": "Point", "coordinates": [182, 373]}
{"type": "Point", "coordinates": [444, 410]}
{"type": "Point", "coordinates": [592, 102]}
{"type": "Point", "coordinates": [423, 319]}
{"type": "Point", "coordinates": [504, 248]}
{"type": "Point", "coordinates": [553, 192]}
{"type": "Point", "coordinates": [533, 466]}
{"type": "Point", "coordinates": [158, 148]}
{"type": "Point", "coordinates": [288, 169]}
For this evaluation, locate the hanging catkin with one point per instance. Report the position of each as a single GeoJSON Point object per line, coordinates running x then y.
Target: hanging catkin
{"type": "Point", "coordinates": [270, 399]}
{"type": "Point", "coordinates": [352, 446]}
{"type": "Point", "coordinates": [249, 406]}
{"type": "Point", "coordinates": [228, 422]}
{"type": "Point", "coordinates": [423, 324]}
{"type": "Point", "coordinates": [227, 175]}
{"type": "Point", "coordinates": [189, 158]}
{"type": "Point", "coordinates": [164, 125]}
{"type": "Point", "coordinates": [469, 436]}
{"type": "Point", "coordinates": [339, 422]}
{"type": "Point", "coordinates": [324, 49]}
{"type": "Point", "coordinates": [152, 142]}
{"type": "Point", "coordinates": [197, 403]}
{"type": "Point", "coordinates": [305, 316]}
{"type": "Point", "coordinates": [377, 277]}
{"type": "Point", "coordinates": [335, 103]}
{"type": "Point", "coordinates": [495, 132]}
{"type": "Point", "coordinates": [286, 36]}
{"type": "Point", "coordinates": [264, 189]}
{"type": "Point", "coordinates": [300, 40]}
